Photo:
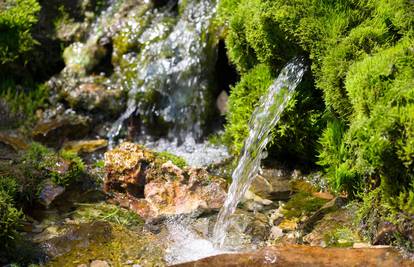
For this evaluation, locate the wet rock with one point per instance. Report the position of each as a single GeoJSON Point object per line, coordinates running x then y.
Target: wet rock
{"type": "Point", "coordinates": [49, 193]}
{"type": "Point", "coordinates": [222, 103]}
{"type": "Point", "coordinates": [385, 234]}
{"type": "Point", "coordinates": [99, 263]}
{"type": "Point", "coordinates": [261, 186]}
{"type": "Point", "coordinates": [157, 188]}
{"type": "Point", "coordinates": [291, 255]}
{"type": "Point", "coordinates": [14, 140]}
{"type": "Point", "coordinates": [331, 206]}
{"type": "Point", "coordinates": [323, 195]}
{"type": "Point", "coordinates": [275, 233]}
{"type": "Point", "coordinates": [289, 224]}
{"type": "Point", "coordinates": [253, 202]}
{"type": "Point", "coordinates": [273, 184]}
{"type": "Point", "coordinates": [82, 243]}
{"type": "Point", "coordinates": [81, 58]}
{"type": "Point", "coordinates": [55, 127]}
{"type": "Point", "coordinates": [94, 96]}
{"type": "Point", "coordinates": [70, 31]}
{"type": "Point", "coordinates": [78, 236]}
{"type": "Point", "coordinates": [335, 229]}
{"type": "Point", "coordinates": [85, 146]}
{"type": "Point", "coordinates": [247, 228]}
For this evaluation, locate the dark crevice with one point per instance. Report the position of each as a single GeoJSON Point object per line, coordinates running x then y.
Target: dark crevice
{"type": "Point", "coordinates": [105, 64]}
{"type": "Point", "coordinates": [226, 73]}
{"type": "Point", "coordinates": [225, 76]}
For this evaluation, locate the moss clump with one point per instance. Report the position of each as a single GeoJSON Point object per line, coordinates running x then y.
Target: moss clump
{"type": "Point", "coordinates": [340, 237]}
{"type": "Point", "coordinates": [36, 166]}
{"type": "Point", "coordinates": [10, 222]}
{"type": "Point", "coordinates": [63, 168]}
{"type": "Point", "coordinates": [17, 18]}
{"type": "Point", "coordinates": [109, 213]}
{"type": "Point", "coordinates": [176, 160]}
{"type": "Point", "coordinates": [302, 203]}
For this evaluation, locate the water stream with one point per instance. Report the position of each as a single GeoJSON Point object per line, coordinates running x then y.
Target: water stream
{"type": "Point", "coordinates": [261, 123]}
{"type": "Point", "coordinates": [168, 82]}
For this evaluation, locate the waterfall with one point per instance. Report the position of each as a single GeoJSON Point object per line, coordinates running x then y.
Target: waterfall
{"type": "Point", "coordinates": [170, 80]}
{"type": "Point", "coordinates": [261, 123]}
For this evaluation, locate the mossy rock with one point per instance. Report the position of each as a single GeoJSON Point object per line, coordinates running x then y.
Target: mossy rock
{"type": "Point", "coordinates": [103, 241]}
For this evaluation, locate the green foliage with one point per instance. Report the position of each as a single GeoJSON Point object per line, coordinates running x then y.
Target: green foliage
{"type": "Point", "coordinates": [23, 100]}
{"type": "Point", "coordinates": [24, 179]}
{"type": "Point", "coordinates": [300, 124]}
{"type": "Point", "coordinates": [340, 237]}
{"type": "Point", "coordinates": [9, 186]}
{"type": "Point", "coordinates": [10, 221]}
{"type": "Point", "coordinates": [362, 58]}
{"type": "Point", "coordinates": [64, 168]}
{"type": "Point", "coordinates": [242, 101]}
{"type": "Point", "coordinates": [17, 17]}
{"type": "Point", "coordinates": [176, 160]}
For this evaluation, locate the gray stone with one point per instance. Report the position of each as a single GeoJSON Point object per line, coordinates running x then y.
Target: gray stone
{"type": "Point", "coordinates": [49, 193]}
{"type": "Point", "coordinates": [99, 263]}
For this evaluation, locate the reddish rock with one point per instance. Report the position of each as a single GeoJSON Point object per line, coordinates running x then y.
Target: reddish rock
{"type": "Point", "coordinates": [154, 188]}
{"type": "Point", "coordinates": [292, 255]}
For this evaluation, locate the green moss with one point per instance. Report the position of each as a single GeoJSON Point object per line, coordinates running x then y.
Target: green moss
{"type": "Point", "coordinates": [340, 237]}
{"type": "Point", "coordinates": [23, 100]}
{"type": "Point", "coordinates": [109, 213]}
{"type": "Point", "coordinates": [17, 17]}
{"type": "Point", "coordinates": [302, 203]}
{"type": "Point", "coordinates": [36, 166]}
{"type": "Point", "coordinates": [300, 125]}
{"type": "Point", "coordinates": [10, 222]}
{"type": "Point", "coordinates": [242, 101]}
{"type": "Point", "coordinates": [178, 161]}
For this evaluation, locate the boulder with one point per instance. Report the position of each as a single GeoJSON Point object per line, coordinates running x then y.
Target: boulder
{"type": "Point", "coordinates": [94, 96]}
{"type": "Point", "coordinates": [155, 188]}
{"type": "Point", "coordinates": [50, 192]}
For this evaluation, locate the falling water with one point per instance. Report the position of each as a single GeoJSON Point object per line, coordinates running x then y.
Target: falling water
{"type": "Point", "coordinates": [171, 70]}
{"type": "Point", "coordinates": [263, 120]}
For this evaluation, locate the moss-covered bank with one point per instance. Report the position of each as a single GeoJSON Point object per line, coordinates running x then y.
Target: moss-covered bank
{"type": "Point", "coordinates": [362, 61]}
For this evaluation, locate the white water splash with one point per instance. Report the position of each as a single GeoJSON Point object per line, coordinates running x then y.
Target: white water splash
{"type": "Point", "coordinates": [263, 120]}
{"type": "Point", "coordinates": [185, 244]}
{"type": "Point", "coordinates": [195, 154]}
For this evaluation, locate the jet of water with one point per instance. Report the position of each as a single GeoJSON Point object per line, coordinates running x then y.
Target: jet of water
{"type": "Point", "coordinates": [261, 123]}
